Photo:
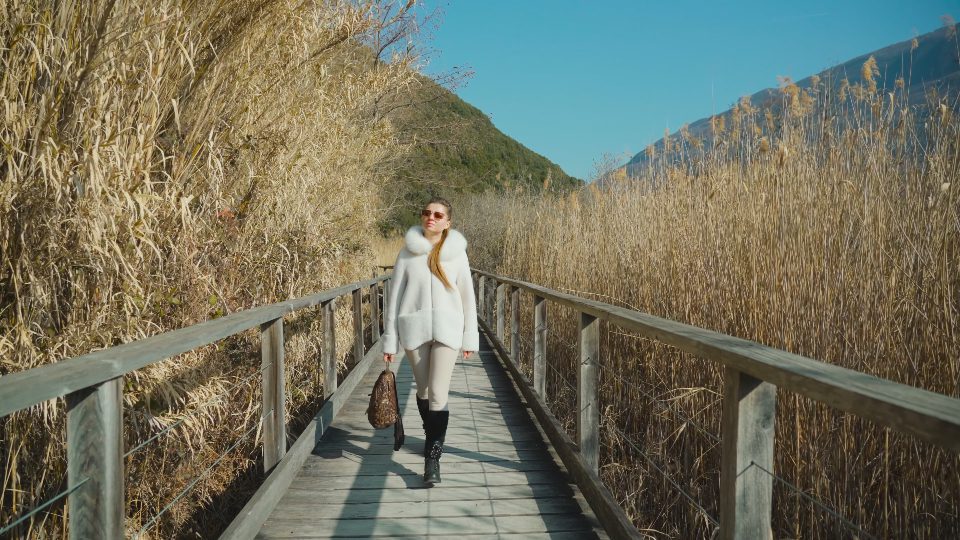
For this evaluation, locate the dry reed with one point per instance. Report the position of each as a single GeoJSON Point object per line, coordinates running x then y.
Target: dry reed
{"type": "Point", "coordinates": [829, 227]}
{"type": "Point", "coordinates": [168, 162]}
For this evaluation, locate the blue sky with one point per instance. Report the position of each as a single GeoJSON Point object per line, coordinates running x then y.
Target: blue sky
{"type": "Point", "coordinates": [574, 80]}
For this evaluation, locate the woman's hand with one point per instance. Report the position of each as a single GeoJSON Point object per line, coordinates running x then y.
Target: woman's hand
{"type": "Point", "coordinates": [388, 357]}
{"type": "Point", "coordinates": [466, 354]}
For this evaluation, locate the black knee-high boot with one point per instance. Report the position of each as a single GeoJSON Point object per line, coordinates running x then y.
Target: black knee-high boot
{"type": "Point", "coordinates": [423, 405]}
{"type": "Point", "coordinates": [436, 433]}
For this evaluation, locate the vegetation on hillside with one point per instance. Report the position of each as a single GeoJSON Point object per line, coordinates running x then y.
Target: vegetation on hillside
{"type": "Point", "coordinates": [839, 241]}
{"type": "Point", "coordinates": [455, 148]}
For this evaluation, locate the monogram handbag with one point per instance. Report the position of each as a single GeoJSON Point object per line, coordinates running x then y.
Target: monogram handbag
{"type": "Point", "coordinates": [384, 409]}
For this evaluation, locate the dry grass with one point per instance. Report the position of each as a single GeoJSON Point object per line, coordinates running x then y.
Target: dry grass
{"type": "Point", "coordinates": [835, 239]}
{"type": "Point", "coordinates": [168, 162]}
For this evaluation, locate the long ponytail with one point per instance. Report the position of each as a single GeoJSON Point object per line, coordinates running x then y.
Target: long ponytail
{"type": "Point", "coordinates": [433, 260]}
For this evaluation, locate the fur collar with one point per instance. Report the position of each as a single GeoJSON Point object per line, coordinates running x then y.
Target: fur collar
{"type": "Point", "coordinates": [418, 244]}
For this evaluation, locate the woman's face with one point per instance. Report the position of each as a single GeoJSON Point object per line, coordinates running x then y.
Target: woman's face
{"type": "Point", "coordinates": [430, 222]}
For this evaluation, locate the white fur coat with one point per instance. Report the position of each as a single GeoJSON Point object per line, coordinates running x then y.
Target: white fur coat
{"type": "Point", "coordinates": [420, 308]}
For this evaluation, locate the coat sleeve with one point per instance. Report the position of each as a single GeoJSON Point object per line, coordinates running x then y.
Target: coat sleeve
{"type": "Point", "coordinates": [471, 335]}
{"type": "Point", "coordinates": [397, 284]}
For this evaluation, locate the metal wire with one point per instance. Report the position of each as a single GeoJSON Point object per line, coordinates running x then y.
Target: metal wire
{"type": "Point", "coordinates": [197, 479]}
{"type": "Point", "coordinates": [701, 428]}
{"type": "Point", "coordinates": [564, 379]}
{"type": "Point", "coordinates": [36, 510]}
{"type": "Point", "coordinates": [200, 407]}
{"type": "Point", "coordinates": [661, 404]}
{"type": "Point", "coordinates": [816, 502]}
{"type": "Point", "coordinates": [664, 473]}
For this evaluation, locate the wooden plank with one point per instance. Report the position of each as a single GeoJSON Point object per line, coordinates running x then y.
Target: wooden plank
{"type": "Point", "coordinates": [383, 510]}
{"type": "Point", "coordinates": [368, 528]}
{"type": "Point", "coordinates": [323, 487]}
{"type": "Point", "coordinates": [357, 326]}
{"type": "Point", "coordinates": [588, 419]}
{"type": "Point", "coordinates": [540, 346]}
{"type": "Point", "coordinates": [604, 504]}
{"type": "Point", "coordinates": [542, 522]}
{"type": "Point", "coordinates": [361, 467]}
{"type": "Point", "coordinates": [554, 535]}
{"type": "Point", "coordinates": [932, 417]}
{"type": "Point", "coordinates": [436, 509]}
{"type": "Point", "coordinates": [274, 393]}
{"type": "Point", "coordinates": [746, 492]}
{"type": "Point", "coordinates": [307, 489]}
{"type": "Point", "coordinates": [515, 325]}
{"type": "Point", "coordinates": [95, 460]}
{"type": "Point", "coordinates": [335, 457]}
{"type": "Point", "coordinates": [329, 351]}
{"type": "Point", "coordinates": [367, 447]}
{"type": "Point", "coordinates": [30, 387]}
{"type": "Point", "coordinates": [249, 520]}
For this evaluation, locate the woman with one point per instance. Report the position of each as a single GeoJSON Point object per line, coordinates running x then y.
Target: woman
{"type": "Point", "coordinates": [433, 311]}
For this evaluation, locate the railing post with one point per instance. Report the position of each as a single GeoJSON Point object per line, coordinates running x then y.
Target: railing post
{"type": "Point", "coordinates": [748, 429]}
{"type": "Point", "coordinates": [540, 346]}
{"type": "Point", "coordinates": [274, 393]}
{"type": "Point", "coordinates": [357, 326]}
{"type": "Point", "coordinates": [501, 309]}
{"type": "Point", "coordinates": [491, 292]}
{"type": "Point", "coordinates": [375, 312]}
{"type": "Point", "coordinates": [515, 325]}
{"type": "Point", "coordinates": [95, 456]}
{"type": "Point", "coordinates": [483, 298]}
{"type": "Point", "coordinates": [386, 291]}
{"type": "Point", "coordinates": [588, 422]}
{"type": "Point", "coordinates": [329, 348]}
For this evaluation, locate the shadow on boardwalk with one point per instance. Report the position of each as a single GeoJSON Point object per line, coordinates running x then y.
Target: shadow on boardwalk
{"type": "Point", "coordinates": [500, 478]}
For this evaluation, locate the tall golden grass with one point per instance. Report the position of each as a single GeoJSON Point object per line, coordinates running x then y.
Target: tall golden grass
{"type": "Point", "coordinates": [829, 227]}
{"type": "Point", "coordinates": [164, 163]}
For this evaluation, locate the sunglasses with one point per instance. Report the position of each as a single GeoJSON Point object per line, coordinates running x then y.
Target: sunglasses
{"type": "Point", "coordinates": [436, 215]}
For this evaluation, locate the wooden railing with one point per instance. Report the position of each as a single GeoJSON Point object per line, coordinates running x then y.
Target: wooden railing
{"type": "Point", "coordinates": [752, 375]}
{"type": "Point", "coordinates": [92, 386]}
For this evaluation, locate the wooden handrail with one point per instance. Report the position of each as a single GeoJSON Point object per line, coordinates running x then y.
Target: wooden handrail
{"type": "Point", "coordinates": [92, 385]}
{"type": "Point", "coordinates": [752, 375]}
{"type": "Point", "coordinates": [929, 416]}
{"type": "Point", "coordinates": [27, 388]}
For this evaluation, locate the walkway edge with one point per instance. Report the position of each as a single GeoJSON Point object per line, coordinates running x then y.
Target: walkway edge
{"type": "Point", "coordinates": [253, 515]}
{"type": "Point", "coordinates": [604, 505]}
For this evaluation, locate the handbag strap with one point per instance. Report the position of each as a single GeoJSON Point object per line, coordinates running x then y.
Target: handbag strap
{"type": "Point", "coordinates": [398, 434]}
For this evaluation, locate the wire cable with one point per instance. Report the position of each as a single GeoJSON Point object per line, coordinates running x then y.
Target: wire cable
{"type": "Point", "coordinates": [200, 407]}
{"type": "Point", "coordinates": [36, 510]}
{"type": "Point", "coordinates": [197, 479]}
{"type": "Point", "coordinates": [816, 502]}
{"type": "Point", "coordinates": [659, 469]}
{"type": "Point", "coordinates": [661, 404]}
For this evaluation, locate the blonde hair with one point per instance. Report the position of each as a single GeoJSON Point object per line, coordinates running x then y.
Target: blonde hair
{"type": "Point", "coordinates": [433, 260]}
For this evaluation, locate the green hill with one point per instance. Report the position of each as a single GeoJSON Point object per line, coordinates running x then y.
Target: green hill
{"type": "Point", "coordinates": [457, 149]}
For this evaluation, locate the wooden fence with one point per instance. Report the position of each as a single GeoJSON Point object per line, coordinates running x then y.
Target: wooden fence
{"type": "Point", "coordinates": [92, 386]}
{"type": "Point", "coordinates": [752, 375]}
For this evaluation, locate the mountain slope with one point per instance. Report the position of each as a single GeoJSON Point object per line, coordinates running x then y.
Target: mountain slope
{"type": "Point", "coordinates": [928, 65]}
{"type": "Point", "coordinates": [457, 149]}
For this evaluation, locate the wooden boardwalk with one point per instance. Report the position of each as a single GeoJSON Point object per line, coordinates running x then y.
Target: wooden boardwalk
{"type": "Point", "coordinates": [500, 477]}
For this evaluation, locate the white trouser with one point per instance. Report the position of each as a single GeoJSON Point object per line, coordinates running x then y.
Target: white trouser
{"type": "Point", "coordinates": [432, 365]}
